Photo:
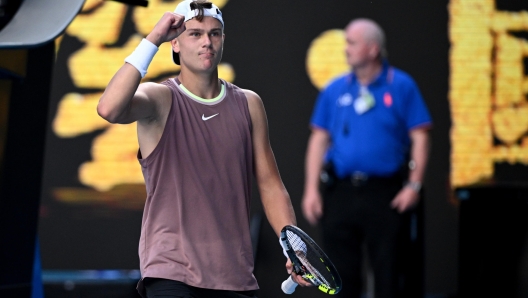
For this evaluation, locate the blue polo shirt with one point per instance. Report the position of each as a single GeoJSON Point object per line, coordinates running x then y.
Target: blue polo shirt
{"type": "Point", "coordinates": [377, 141]}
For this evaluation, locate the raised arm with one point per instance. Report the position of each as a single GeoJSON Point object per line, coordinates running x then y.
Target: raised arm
{"type": "Point", "coordinates": [275, 198]}
{"type": "Point", "coordinates": [125, 100]}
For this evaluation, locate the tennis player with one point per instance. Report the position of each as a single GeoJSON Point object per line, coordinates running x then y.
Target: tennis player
{"type": "Point", "coordinates": [200, 141]}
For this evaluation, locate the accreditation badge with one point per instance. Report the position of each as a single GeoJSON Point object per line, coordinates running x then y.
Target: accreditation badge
{"type": "Point", "coordinates": [364, 102]}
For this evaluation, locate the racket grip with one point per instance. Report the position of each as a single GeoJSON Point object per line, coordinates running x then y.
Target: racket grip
{"type": "Point", "coordinates": [288, 286]}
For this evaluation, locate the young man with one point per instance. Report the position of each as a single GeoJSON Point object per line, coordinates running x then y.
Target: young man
{"type": "Point", "coordinates": [201, 139]}
{"type": "Point", "coordinates": [364, 126]}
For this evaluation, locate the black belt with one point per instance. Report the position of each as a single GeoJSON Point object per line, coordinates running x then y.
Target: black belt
{"type": "Point", "coordinates": [361, 179]}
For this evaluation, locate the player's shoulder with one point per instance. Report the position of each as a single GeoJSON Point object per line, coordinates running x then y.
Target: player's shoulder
{"type": "Point", "coordinates": [251, 96]}
{"type": "Point", "coordinates": [254, 102]}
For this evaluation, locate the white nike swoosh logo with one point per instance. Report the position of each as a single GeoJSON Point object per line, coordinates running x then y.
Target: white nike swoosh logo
{"type": "Point", "coordinates": [207, 118]}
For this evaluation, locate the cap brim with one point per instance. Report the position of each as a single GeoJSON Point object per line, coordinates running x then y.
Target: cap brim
{"type": "Point", "coordinates": [176, 57]}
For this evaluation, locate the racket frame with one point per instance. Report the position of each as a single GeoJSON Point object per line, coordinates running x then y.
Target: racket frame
{"type": "Point", "coordinates": [301, 269]}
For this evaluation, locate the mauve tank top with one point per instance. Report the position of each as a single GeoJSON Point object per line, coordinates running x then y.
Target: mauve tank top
{"type": "Point", "coordinates": [195, 226]}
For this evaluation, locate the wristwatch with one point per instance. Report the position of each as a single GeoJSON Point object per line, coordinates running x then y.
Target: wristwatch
{"type": "Point", "coordinates": [414, 185]}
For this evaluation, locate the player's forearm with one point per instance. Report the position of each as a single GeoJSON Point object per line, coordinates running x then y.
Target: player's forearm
{"type": "Point", "coordinates": [278, 208]}
{"type": "Point", "coordinates": [117, 97]}
{"type": "Point", "coordinates": [116, 101]}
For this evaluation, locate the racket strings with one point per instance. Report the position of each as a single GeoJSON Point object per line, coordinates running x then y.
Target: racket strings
{"type": "Point", "coordinates": [310, 259]}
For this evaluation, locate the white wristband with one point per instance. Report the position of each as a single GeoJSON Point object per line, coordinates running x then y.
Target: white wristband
{"type": "Point", "coordinates": [142, 56]}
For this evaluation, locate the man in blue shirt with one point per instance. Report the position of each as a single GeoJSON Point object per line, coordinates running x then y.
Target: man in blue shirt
{"type": "Point", "coordinates": [369, 146]}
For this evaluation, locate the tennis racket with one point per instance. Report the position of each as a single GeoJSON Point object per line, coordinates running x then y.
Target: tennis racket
{"type": "Point", "coordinates": [309, 261]}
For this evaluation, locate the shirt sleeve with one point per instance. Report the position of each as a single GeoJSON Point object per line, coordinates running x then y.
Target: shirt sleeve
{"type": "Point", "coordinates": [321, 113]}
{"type": "Point", "coordinates": [416, 111]}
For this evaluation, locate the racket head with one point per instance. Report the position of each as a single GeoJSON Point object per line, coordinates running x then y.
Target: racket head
{"type": "Point", "coordinates": [309, 260]}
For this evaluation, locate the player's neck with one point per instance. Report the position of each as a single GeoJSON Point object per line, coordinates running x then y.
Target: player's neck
{"type": "Point", "coordinates": [367, 73]}
{"type": "Point", "coordinates": [204, 85]}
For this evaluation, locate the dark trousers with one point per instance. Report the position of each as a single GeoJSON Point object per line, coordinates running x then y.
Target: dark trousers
{"type": "Point", "coordinates": [164, 288]}
{"type": "Point", "coordinates": [361, 214]}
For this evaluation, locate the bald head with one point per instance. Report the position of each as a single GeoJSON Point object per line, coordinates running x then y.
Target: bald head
{"type": "Point", "coordinates": [371, 32]}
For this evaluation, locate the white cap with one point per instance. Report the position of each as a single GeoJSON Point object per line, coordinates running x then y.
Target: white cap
{"type": "Point", "coordinates": [187, 8]}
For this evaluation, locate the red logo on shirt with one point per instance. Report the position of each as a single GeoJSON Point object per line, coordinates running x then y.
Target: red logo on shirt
{"type": "Point", "coordinates": [387, 99]}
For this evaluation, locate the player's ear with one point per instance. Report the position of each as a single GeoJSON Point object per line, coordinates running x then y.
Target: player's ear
{"type": "Point", "coordinates": [175, 45]}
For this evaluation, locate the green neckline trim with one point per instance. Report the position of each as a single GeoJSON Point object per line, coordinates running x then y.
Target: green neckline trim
{"type": "Point", "coordinates": [198, 98]}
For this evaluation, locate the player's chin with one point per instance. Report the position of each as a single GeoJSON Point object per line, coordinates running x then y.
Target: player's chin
{"type": "Point", "coordinates": [209, 63]}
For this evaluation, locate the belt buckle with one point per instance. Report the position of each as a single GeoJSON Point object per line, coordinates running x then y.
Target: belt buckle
{"type": "Point", "coordinates": [358, 178]}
